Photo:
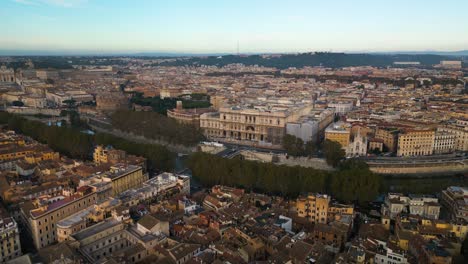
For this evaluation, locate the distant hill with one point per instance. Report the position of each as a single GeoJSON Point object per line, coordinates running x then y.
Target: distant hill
{"type": "Point", "coordinates": [429, 52]}
{"type": "Point", "coordinates": [326, 59]}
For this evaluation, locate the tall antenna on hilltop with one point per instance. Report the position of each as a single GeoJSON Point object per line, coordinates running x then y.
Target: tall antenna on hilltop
{"type": "Point", "coordinates": [238, 48]}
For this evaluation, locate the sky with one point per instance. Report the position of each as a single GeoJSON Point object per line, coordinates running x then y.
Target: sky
{"type": "Point", "coordinates": [212, 26]}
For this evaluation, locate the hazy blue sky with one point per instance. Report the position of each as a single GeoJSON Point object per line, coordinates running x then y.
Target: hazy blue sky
{"type": "Point", "coordinates": [217, 25]}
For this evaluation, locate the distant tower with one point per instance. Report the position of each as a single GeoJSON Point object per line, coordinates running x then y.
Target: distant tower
{"type": "Point", "coordinates": [238, 48]}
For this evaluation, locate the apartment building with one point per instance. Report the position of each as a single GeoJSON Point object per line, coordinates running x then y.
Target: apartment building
{"type": "Point", "coordinates": [10, 246]}
{"type": "Point", "coordinates": [60, 98]}
{"type": "Point", "coordinates": [312, 126]}
{"type": "Point", "coordinates": [454, 199]}
{"type": "Point", "coordinates": [444, 142]}
{"type": "Point", "coordinates": [339, 132]}
{"type": "Point", "coordinates": [397, 203]}
{"type": "Point", "coordinates": [341, 107]}
{"type": "Point", "coordinates": [460, 129]}
{"type": "Point", "coordinates": [307, 130]}
{"type": "Point", "coordinates": [388, 253]}
{"type": "Point", "coordinates": [389, 136]}
{"type": "Point", "coordinates": [429, 251]}
{"type": "Point", "coordinates": [416, 142]}
{"type": "Point", "coordinates": [314, 207]}
{"type": "Point", "coordinates": [31, 153]}
{"type": "Point", "coordinates": [41, 215]}
{"type": "Point", "coordinates": [120, 178]}
{"type": "Point", "coordinates": [124, 243]}
{"type": "Point", "coordinates": [260, 126]}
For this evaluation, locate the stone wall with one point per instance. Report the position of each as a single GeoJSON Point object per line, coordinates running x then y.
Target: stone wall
{"type": "Point", "coordinates": [421, 169]}
{"type": "Point", "coordinates": [282, 159]}
{"type": "Point", "coordinates": [33, 111]}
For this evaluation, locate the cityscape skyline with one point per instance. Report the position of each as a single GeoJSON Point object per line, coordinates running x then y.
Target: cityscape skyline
{"type": "Point", "coordinates": [104, 27]}
{"type": "Point", "coordinates": [248, 131]}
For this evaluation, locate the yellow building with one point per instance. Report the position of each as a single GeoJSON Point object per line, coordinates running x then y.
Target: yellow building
{"type": "Point", "coordinates": [9, 137]}
{"type": "Point", "coordinates": [32, 154]}
{"type": "Point", "coordinates": [103, 155]}
{"type": "Point", "coordinates": [41, 156]}
{"type": "Point", "coordinates": [339, 132]}
{"type": "Point", "coordinates": [416, 142]}
{"type": "Point", "coordinates": [460, 230]}
{"type": "Point", "coordinates": [217, 101]}
{"type": "Point", "coordinates": [314, 207]}
{"type": "Point", "coordinates": [125, 177]}
{"type": "Point", "coordinates": [335, 211]}
{"type": "Point", "coordinates": [109, 155]}
{"type": "Point", "coordinates": [408, 227]}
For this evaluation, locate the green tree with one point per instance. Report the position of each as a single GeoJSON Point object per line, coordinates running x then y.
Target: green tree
{"type": "Point", "coordinates": [334, 153]}
{"type": "Point", "coordinates": [156, 126]}
{"type": "Point", "coordinates": [71, 142]}
{"type": "Point", "coordinates": [71, 103]}
{"type": "Point", "coordinates": [17, 103]}
{"type": "Point", "coordinates": [376, 151]}
{"type": "Point", "coordinates": [355, 182]}
{"type": "Point", "coordinates": [464, 248]}
{"type": "Point", "coordinates": [310, 148]}
{"type": "Point", "coordinates": [294, 146]}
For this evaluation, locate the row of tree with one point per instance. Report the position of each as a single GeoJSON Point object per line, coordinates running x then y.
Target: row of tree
{"type": "Point", "coordinates": [352, 182]}
{"type": "Point", "coordinates": [156, 126]}
{"type": "Point", "coordinates": [161, 105]}
{"type": "Point", "coordinates": [75, 144]}
{"type": "Point", "coordinates": [295, 146]}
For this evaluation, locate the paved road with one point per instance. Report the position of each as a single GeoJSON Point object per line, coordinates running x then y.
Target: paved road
{"type": "Point", "coordinates": [233, 150]}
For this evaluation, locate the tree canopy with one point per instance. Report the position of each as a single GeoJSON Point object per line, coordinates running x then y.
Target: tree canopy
{"type": "Point", "coordinates": [70, 141]}
{"type": "Point", "coordinates": [161, 106]}
{"type": "Point", "coordinates": [334, 153]}
{"type": "Point", "coordinates": [353, 182]}
{"type": "Point", "coordinates": [156, 126]}
{"type": "Point", "coordinates": [17, 103]}
{"type": "Point", "coordinates": [295, 146]}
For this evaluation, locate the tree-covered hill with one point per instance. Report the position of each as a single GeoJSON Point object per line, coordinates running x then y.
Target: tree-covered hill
{"type": "Point", "coordinates": [326, 59]}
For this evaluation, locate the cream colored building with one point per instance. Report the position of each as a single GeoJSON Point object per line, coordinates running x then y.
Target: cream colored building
{"type": "Point", "coordinates": [187, 116]}
{"type": "Point", "coordinates": [111, 101]}
{"type": "Point", "coordinates": [389, 137]}
{"type": "Point", "coordinates": [42, 216]}
{"type": "Point", "coordinates": [258, 126]}
{"type": "Point", "coordinates": [416, 142]}
{"type": "Point", "coordinates": [217, 101]}
{"type": "Point", "coordinates": [444, 142]}
{"type": "Point", "coordinates": [460, 129]}
{"type": "Point", "coordinates": [7, 74]}
{"type": "Point", "coordinates": [114, 237]}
